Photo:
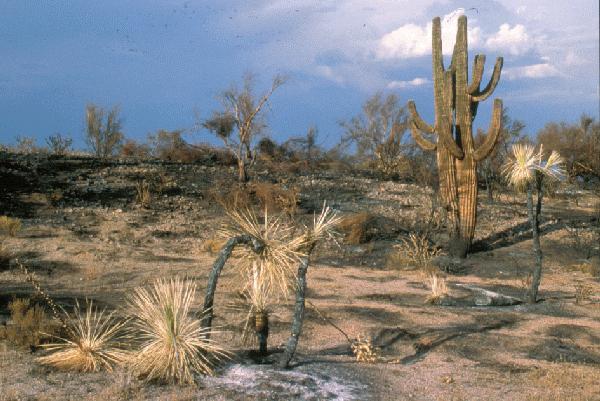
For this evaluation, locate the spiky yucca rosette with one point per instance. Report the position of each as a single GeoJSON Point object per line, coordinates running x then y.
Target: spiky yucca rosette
{"type": "Point", "coordinates": [526, 164]}
{"type": "Point", "coordinates": [173, 345]}
{"type": "Point", "coordinates": [94, 341]}
{"type": "Point", "coordinates": [274, 266]}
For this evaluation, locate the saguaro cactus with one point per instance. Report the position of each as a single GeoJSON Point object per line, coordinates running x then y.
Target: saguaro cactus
{"type": "Point", "coordinates": [456, 101]}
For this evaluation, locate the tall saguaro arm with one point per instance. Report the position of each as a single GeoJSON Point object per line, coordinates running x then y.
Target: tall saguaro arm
{"type": "Point", "coordinates": [480, 96]}
{"type": "Point", "coordinates": [491, 138]}
{"type": "Point", "coordinates": [418, 126]}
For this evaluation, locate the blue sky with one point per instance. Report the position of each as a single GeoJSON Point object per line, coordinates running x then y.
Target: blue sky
{"type": "Point", "coordinates": [162, 61]}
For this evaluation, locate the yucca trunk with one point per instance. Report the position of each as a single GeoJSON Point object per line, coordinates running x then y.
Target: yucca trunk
{"type": "Point", "coordinates": [534, 221]}
{"type": "Point", "coordinates": [456, 101]}
{"type": "Point", "coordinates": [261, 327]}
{"type": "Point", "coordinates": [298, 318]}
{"type": "Point", "coordinates": [207, 312]}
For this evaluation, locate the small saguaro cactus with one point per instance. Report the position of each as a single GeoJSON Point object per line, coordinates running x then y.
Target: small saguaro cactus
{"type": "Point", "coordinates": [456, 101]}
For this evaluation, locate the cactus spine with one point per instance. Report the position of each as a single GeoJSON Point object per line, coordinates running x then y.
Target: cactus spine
{"type": "Point", "coordinates": [456, 101]}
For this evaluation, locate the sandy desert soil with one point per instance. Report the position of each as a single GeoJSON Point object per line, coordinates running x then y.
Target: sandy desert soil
{"type": "Point", "coordinates": [84, 236]}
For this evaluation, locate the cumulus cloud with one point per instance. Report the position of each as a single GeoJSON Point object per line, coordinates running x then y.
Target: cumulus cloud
{"type": "Point", "coordinates": [542, 70]}
{"type": "Point", "coordinates": [408, 84]}
{"type": "Point", "coordinates": [329, 73]}
{"type": "Point", "coordinates": [515, 40]}
{"type": "Point", "coordinates": [411, 40]}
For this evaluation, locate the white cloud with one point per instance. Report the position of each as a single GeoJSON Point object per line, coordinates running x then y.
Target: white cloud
{"type": "Point", "coordinates": [542, 70]}
{"type": "Point", "coordinates": [412, 40]}
{"type": "Point", "coordinates": [365, 44]}
{"type": "Point", "coordinates": [328, 72]}
{"type": "Point", "coordinates": [515, 41]}
{"type": "Point", "coordinates": [408, 84]}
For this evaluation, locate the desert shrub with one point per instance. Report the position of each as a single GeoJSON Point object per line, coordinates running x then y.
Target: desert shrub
{"type": "Point", "coordinates": [414, 251]}
{"type": "Point", "coordinates": [93, 342]}
{"type": "Point", "coordinates": [25, 144]}
{"type": "Point", "coordinates": [103, 135]}
{"type": "Point", "coordinates": [583, 240]}
{"type": "Point", "coordinates": [234, 197]}
{"type": "Point", "coordinates": [169, 145]}
{"type": "Point", "coordinates": [29, 324]}
{"type": "Point", "coordinates": [10, 225]}
{"type": "Point", "coordinates": [173, 344]}
{"type": "Point", "coordinates": [578, 144]}
{"type": "Point", "coordinates": [58, 144]}
{"type": "Point", "coordinates": [377, 133]}
{"type": "Point", "coordinates": [273, 197]}
{"type": "Point", "coordinates": [143, 196]}
{"type": "Point", "coordinates": [269, 150]}
{"type": "Point", "coordinates": [357, 227]}
{"type": "Point", "coordinates": [132, 148]}
{"type": "Point", "coordinates": [259, 195]}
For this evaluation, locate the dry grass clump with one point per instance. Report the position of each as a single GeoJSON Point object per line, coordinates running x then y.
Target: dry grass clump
{"type": "Point", "coordinates": [414, 251]}
{"type": "Point", "coordinates": [236, 197]}
{"type": "Point", "coordinates": [143, 196]}
{"type": "Point", "coordinates": [583, 293]}
{"type": "Point", "coordinates": [10, 225]}
{"type": "Point", "coordinates": [439, 288]}
{"type": "Point", "coordinates": [259, 195]}
{"type": "Point", "coordinates": [173, 345]}
{"type": "Point", "coordinates": [29, 324]}
{"type": "Point", "coordinates": [363, 350]}
{"type": "Point", "coordinates": [93, 341]}
{"type": "Point", "coordinates": [273, 197]}
{"type": "Point", "coordinates": [356, 227]}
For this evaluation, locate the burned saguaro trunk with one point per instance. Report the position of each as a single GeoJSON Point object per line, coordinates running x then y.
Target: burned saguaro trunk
{"type": "Point", "coordinates": [456, 101]}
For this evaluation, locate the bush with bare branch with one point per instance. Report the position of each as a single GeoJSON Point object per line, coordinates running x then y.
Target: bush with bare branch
{"type": "Point", "coordinates": [243, 113]}
{"type": "Point", "coordinates": [103, 130]}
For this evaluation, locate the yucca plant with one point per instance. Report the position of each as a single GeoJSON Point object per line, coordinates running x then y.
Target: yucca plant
{"type": "Point", "coordinates": [273, 264]}
{"type": "Point", "coordinates": [527, 171]}
{"type": "Point", "coordinates": [94, 341]}
{"type": "Point", "coordinates": [267, 271]}
{"type": "Point", "coordinates": [173, 344]}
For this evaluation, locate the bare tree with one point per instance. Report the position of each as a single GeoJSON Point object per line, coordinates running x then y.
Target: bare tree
{"type": "Point", "coordinates": [377, 132]}
{"type": "Point", "coordinates": [243, 113]}
{"type": "Point", "coordinates": [103, 135]}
